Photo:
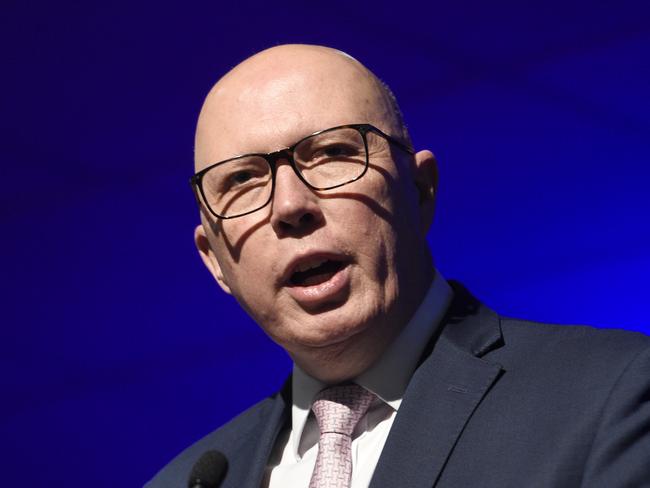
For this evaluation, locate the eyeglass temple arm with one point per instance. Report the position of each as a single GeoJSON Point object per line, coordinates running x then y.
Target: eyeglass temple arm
{"type": "Point", "coordinates": [393, 140]}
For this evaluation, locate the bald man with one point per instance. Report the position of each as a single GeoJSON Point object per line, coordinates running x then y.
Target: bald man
{"type": "Point", "coordinates": [314, 215]}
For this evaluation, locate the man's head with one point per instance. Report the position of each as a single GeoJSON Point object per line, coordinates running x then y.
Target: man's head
{"type": "Point", "coordinates": [332, 276]}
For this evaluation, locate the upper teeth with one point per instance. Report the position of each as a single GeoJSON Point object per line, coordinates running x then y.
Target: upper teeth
{"type": "Point", "coordinates": [310, 265]}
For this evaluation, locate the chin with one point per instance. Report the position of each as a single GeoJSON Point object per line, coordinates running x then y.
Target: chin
{"type": "Point", "coordinates": [335, 362]}
{"type": "Point", "coordinates": [327, 337]}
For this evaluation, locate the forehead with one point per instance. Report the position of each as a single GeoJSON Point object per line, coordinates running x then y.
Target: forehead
{"type": "Point", "coordinates": [267, 107]}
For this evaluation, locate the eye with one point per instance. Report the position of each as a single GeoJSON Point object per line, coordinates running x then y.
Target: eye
{"type": "Point", "coordinates": [244, 178]}
{"type": "Point", "coordinates": [240, 177]}
{"type": "Point", "coordinates": [338, 151]}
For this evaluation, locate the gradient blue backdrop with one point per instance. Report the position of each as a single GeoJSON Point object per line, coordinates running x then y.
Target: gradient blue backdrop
{"type": "Point", "coordinates": [118, 350]}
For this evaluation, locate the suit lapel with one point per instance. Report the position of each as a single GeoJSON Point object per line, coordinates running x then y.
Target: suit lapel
{"type": "Point", "coordinates": [253, 454]}
{"type": "Point", "coordinates": [441, 397]}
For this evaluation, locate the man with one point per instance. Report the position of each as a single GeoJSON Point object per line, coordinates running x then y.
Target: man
{"type": "Point", "coordinates": [314, 212]}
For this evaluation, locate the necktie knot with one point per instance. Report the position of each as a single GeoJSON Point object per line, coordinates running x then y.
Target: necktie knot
{"type": "Point", "coordinates": [338, 409]}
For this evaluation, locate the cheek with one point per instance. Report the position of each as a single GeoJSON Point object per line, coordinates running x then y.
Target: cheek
{"type": "Point", "coordinates": [242, 249]}
{"type": "Point", "coordinates": [251, 287]}
{"type": "Point", "coordinates": [368, 234]}
{"type": "Point", "coordinates": [251, 276]}
{"type": "Point", "coordinates": [239, 272]}
{"type": "Point", "coordinates": [386, 227]}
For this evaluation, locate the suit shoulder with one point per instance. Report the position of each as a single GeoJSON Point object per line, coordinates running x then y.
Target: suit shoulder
{"type": "Point", "coordinates": [576, 336]}
{"type": "Point", "coordinates": [570, 350]}
{"type": "Point", "coordinates": [225, 439]}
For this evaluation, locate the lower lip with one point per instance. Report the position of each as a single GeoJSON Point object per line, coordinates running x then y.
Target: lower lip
{"type": "Point", "coordinates": [323, 293]}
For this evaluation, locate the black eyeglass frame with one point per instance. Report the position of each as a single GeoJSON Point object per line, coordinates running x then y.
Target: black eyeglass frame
{"type": "Point", "coordinates": [196, 181]}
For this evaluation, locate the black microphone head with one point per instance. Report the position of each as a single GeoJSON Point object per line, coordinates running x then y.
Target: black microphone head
{"type": "Point", "coordinates": [208, 471]}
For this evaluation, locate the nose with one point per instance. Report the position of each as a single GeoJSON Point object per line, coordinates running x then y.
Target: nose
{"type": "Point", "coordinates": [295, 208]}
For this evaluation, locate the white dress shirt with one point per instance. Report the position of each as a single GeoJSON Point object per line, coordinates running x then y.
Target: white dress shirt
{"type": "Point", "coordinates": [294, 455]}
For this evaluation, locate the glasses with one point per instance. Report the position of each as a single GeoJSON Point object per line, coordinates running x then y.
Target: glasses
{"type": "Point", "coordinates": [324, 160]}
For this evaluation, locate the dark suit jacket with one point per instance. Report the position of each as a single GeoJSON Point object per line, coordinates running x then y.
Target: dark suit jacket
{"type": "Point", "coordinates": [495, 402]}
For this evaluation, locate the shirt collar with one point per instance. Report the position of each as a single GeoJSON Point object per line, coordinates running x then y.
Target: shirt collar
{"type": "Point", "coordinates": [390, 375]}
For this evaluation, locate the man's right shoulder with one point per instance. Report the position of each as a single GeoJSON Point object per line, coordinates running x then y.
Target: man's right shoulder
{"type": "Point", "coordinates": [228, 439]}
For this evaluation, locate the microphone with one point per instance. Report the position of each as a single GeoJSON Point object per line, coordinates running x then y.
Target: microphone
{"type": "Point", "coordinates": [208, 471]}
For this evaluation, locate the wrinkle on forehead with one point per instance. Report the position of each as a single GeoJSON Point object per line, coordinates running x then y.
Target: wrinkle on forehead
{"type": "Point", "coordinates": [279, 95]}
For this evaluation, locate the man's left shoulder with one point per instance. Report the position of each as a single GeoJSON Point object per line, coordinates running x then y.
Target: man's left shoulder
{"type": "Point", "coordinates": [581, 389]}
{"type": "Point", "coordinates": [588, 341]}
{"type": "Point", "coordinates": [573, 352]}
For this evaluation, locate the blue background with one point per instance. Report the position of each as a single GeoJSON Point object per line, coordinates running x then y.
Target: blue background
{"type": "Point", "coordinates": [118, 349]}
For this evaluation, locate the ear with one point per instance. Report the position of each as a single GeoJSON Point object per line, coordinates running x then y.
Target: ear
{"type": "Point", "coordinates": [209, 258]}
{"type": "Point", "coordinates": [426, 180]}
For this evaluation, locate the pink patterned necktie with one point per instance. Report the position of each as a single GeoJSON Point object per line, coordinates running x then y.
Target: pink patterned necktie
{"type": "Point", "coordinates": [338, 409]}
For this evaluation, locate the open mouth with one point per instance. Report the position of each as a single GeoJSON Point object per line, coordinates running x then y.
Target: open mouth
{"type": "Point", "coordinates": [316, 273]}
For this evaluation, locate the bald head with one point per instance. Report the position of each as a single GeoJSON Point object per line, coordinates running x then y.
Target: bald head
{"type": "Point", "coordinates": [331, 275]}
{"type": "Point", "coordinates": [291, 91]}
